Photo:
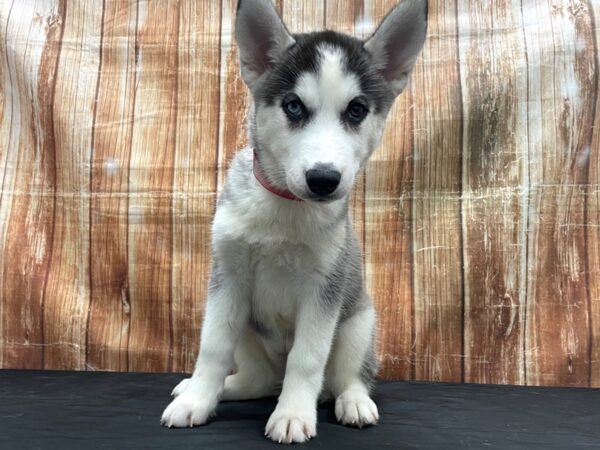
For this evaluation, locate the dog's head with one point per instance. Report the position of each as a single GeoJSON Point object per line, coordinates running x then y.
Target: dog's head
{"type": "Point", "coordinates": [321, 99]}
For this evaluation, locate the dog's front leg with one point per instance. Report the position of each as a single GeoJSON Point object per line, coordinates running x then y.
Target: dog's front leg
{"type": "Point", "coordinates": [227, 311]}
{"type": "Point", "coordinates": [295, 417]}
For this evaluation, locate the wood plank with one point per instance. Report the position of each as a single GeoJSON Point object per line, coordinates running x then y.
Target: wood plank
{"type": "Point", "coordinates": [436, 215]}
{"type": "Point", "coordinates": [303, 16]}
{"type": "Point", "coordinates": [235, 98]}
{"type": "Point", "coordinates": [6, 115]}
{"type": "Point", "coordinates": [195, 170]}
{"type": "Point", "coordinates": [593, 208]}
{"type": "Point", "coordinates": [109, 318]}
{"type": "Point", "coordinates": [117, 123]}
{"type": "Point", "coordinates": [27, 168]}
{"type": "Point", "coordinates": [494, 177]}
{"type": "Point", "coordinates": [344, 16]}
{"type": "Point", "coordinates": [150, 239]}
{"type": "Point", "coordinates": [561, 86]}
{"type": "Point", "coordinates": [67, 294]}
{"type": "Point", "coordinates": [388, 227]}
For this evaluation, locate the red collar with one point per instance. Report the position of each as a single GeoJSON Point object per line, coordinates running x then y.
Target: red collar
{"type": "Point", "coordinates": [283, 193]}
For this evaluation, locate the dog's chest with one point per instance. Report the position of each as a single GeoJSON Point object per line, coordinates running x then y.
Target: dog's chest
{"type": "Point", "coordinates": [286, 256]}
{"type": "Point", "coordinates": [284, 276]}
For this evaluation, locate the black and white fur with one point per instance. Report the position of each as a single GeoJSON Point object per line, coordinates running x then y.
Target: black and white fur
{"type": "Point", "coordinates": [286, 308]}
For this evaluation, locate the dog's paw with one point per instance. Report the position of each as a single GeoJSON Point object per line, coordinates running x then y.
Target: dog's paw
{"type": "Point", "coordinates": [356, 409]}
{"type": "Point", "coordinates": [187, 410]}
{"type": "Point", "coordinates": [177, 390]}
{"type": "Point", "coordinates": [287, 427]}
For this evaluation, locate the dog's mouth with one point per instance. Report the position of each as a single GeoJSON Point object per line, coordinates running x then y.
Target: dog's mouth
{"type": "Point", "coordinates": [323, 199]}
{"type": "Point", "coordinates": [311, 197]}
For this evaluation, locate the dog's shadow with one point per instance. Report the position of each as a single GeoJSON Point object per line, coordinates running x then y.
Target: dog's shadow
{"type": "Point", "coordinates": [261, 409]}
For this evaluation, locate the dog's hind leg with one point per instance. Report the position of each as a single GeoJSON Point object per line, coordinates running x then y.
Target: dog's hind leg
{"type": "Point", "coordinates": [352, 368]}
{"type": "Point", "coordinates": [255, 377]}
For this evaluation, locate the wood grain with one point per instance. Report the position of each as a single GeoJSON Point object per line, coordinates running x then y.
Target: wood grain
{"type": "Point", "coordinates": [436, 208]}
{"type": "Point", "coordinates": [494, 198]}
{"type": "Point", "coordinates": [561, 90]}
{"type": "Point", "coordinates": [28, 176]}
{"type": "Point", "coordinates": [151, 174]}
{"type": "Point", "coordinates": [195, 167]}
{"type": "Point", "coordinates": [67, 290]}
{"type": "Point", "coordinates": [235, 99]}
{"type": "Point", "coordinates": [388, 227]}
{"type": "Point", "coordinates": [479, 215]}
{"type": "Point", "coordinates": [109, 319]}
{"type": "Point", "coordinates": [592, 208]}
{"type": "Point", "coordinates": [303, 16]}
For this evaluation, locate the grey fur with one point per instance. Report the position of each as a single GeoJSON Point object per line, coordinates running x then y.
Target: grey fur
{"type": "Point", "coordinates": [259, 327]}
{"type": "Point", "coordinates": [370, 366]}
{"type": "Point", "coordinates": [398, 41]}
{"type": "Point", "coordinates": [261, 36]}
{"type": "Point", "coordinates": [303, 57]}
{"type": "Point", "coordinates": [216, 277]}
{"type": "Point", "coordinates": [344, 288]}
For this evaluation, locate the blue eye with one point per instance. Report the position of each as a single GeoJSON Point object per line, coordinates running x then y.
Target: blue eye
{"type": "Point", "coordinates": [294, 109]}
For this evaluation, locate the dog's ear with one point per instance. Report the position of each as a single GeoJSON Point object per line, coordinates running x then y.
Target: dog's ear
{"type": "Point", "coordinates": [397, 42]}
{"type": "Point", "coordinates": [261, 37]}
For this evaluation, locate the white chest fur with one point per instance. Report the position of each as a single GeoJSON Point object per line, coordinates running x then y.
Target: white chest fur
{"type": "Point", "coordinates": [285, 248]}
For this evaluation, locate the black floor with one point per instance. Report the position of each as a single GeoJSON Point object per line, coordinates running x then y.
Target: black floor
{"type": "Point", "coordinates": [66, 410]}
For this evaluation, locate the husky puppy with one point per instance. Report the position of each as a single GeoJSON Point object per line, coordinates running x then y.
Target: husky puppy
{"type": "Point", "coordinates": [287, 313]}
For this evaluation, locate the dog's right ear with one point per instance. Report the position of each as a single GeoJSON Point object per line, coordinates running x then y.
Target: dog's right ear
{"type": "Point", "coordinates": [261, 38]}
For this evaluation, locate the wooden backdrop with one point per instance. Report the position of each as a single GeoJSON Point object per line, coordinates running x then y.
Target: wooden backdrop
{"type": "Point", "coordinates": [479, 215]}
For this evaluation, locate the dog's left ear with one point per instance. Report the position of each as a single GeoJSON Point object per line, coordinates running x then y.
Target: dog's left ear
{"type": "Point", "coordinates": [261, 38]}
{"type": "Point", "coordinates": [397, 42]}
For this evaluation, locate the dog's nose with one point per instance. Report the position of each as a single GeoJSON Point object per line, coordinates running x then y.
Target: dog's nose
{"type": "Point", "coordinates": [323, 181]}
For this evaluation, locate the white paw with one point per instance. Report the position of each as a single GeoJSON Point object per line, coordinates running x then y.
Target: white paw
{"type": "Point", "coordinates": [187, 410]}
{"type": "Point", "coordinates": [286, 427]}
{"type": "Point", "coordinates": [180, 387]}
{"type": "Point", "coordinates": [355, 408]}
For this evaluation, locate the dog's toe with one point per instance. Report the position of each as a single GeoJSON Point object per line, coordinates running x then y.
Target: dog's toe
{"type": "Point", "coordinates": [288, 428]}
{"type": "Point", "coordinates": [186, 411]}
{"type": "Point", "coordinates": [180, 387]}
{"type": "Point", "coordinates": [355, 408]}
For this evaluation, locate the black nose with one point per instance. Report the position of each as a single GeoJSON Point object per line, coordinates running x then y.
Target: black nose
{"type": "Point", "coordinates": [323, 181]}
